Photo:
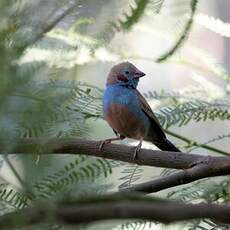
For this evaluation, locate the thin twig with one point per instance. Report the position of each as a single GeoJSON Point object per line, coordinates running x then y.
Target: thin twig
{"type": "Point", "coordinates": [194, 143]}
{"type": "Point", "coordinates": [178, 178]}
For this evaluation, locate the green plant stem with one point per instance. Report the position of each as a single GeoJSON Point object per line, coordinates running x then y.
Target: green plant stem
{"type": "Point", "coordinates": [194, 143]}
{"type": "Point", "coordinates": [184, 35]}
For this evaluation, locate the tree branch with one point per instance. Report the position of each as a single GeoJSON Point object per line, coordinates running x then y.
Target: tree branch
{"type": "Point", "coordinates": [112, 207]}
{"type": "Point", "coordinates": [194, 166]}
{"type": "Point", "coordinates": [183, 177]}
{"type": "Point", "coordinates": [156, 158]}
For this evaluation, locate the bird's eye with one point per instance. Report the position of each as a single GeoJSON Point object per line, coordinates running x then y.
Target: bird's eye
{"type": "Point", "coordinates": [126, 72]}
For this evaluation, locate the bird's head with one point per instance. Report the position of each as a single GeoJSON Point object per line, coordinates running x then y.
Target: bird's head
{"type": "Point", "coordinates": [124, 74]}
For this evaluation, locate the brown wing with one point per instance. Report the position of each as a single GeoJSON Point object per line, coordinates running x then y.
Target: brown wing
{"type": "Point", "coordinates": [148, 111]}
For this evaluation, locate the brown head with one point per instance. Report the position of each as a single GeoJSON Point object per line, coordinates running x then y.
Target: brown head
{"type": "Point", "coordinates": [125, 74]}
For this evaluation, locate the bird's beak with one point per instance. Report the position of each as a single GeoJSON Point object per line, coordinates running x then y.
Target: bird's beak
{"type": "Point", "coordinates": [139, 74]}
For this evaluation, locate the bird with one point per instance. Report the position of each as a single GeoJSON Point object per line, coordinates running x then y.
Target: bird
{"type": "Point", "coordinates": [127, 111]}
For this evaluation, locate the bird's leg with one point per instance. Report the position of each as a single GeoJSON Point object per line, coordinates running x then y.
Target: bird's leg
{"type": "Point", "coordinates": [137, 149]}
{"type": "Point", "coordinates": [107, 141]}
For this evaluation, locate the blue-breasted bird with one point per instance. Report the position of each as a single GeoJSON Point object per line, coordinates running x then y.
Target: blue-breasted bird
{"type": "Point", "coordinates": [127, 111]}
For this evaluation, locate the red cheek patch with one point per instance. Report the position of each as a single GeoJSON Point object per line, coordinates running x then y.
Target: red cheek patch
{"type": "Point", "coordinates": [122, 78]}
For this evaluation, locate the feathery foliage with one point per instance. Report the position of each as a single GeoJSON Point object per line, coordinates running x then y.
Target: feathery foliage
{"type": "Point", "coordinates": [135, 14]}
{"type": "Point", "coordinates": [214, 24]}
{"type": "Point", "coordinates": [129, 175]}
{"type": "Point", "coordinates": [183, 35]}
{"type": "Point", "coordinates": [215, 139]}
{"type": "Point", "coordinates": [137, 225]}
{"type": "Point", "coordinates": [130, 17]}
{"type": "Point", "coordinates": [44, 50]}
{"type": "Point", "coordinates": [185, 108]}
{"type": "Point", "coordinates": [12, 198]}
{"type": "Point", "coordinates": [206, 190]}
{"type": "Point", "coordinates": [82, 170]}
{"type": "Point", "coordinates": [196, 111]}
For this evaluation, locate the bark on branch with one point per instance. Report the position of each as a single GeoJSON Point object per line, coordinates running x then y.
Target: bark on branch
{"type": "Point", "coordinates": [194, 167]}
{"type": "Point", "coordinates": [156, 158]}
{"type": "Point", "coordinates": [117, 208]}
{"type": "Point", "coordinates": [197, 172]}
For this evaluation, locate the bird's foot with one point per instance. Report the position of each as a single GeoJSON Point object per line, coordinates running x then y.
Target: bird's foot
{"type": "Point", "coordinates": [107, 141]}
{"type": "Point", "coordinates": [102, 143]}
{"type": "Point", "coordinates": [137, 150]}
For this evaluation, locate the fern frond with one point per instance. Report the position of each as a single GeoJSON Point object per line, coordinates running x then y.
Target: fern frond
{"type": "Point", "coordinates": [156, 5]}
{"type": "Point", "coordinates": [175, 97]}
{"type": "Point", "coordinates": [82, 170]}
{"type": "Point", "coordinates": [215, 139]}
{"type": "Point", "coordinates": [162, 95]}
{"type": "Point", "coordinates": [12, 198]}
{"type": "Point", "coordinates": [218, 192]}
{"type": "Point", "coordinates": [183, 36]}
{"type": "Point", "coordinates": [128, 20]}
{"type": "Point", "coordinates": [130, 174]}
{"type": "Point", "coordinates": [204, 225]}
{"type": "Point", "coordinates": [200, 93]}
{"type": "Point", "coordinates": [188, 193]}
{"type": "Point", "coordinates": [135, 225]}
{"type": "Point", "coordinates": [214, 24]}
{"type": "Point", "coordinates": [196, 111]}
{"type": "Point", "coordinates": [135, 14]}
{"type": "Point", "coordinates": [63, 106]}
{"type": "Point", "coordinates": [213, 191]}
{"type": "Point", "coordinates": [138, 11]}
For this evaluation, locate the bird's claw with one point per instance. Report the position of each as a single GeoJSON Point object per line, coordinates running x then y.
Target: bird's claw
{"type": "Point", "coordinates": [107, 141]}
{"type": "Point", "coordinates": [136, 151]}
{"type": "Point", "coordinates": [102, 143]}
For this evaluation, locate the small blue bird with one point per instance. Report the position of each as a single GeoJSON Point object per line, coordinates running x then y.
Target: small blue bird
{"type": "Point", "coordinates": [127, 111]}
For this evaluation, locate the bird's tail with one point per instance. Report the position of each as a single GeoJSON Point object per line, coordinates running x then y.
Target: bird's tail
{"type": "Point", "coordinates": [166, 145]}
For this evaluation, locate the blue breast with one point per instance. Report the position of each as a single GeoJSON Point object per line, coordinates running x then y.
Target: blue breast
{"type": "Point", "coordinates": [116, 94]}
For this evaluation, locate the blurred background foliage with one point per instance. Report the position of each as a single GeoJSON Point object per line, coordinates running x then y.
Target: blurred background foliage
{"type": "Point", "coordinates": [54, 59]}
